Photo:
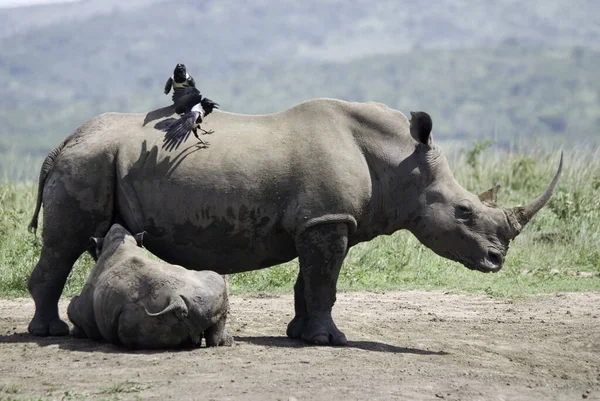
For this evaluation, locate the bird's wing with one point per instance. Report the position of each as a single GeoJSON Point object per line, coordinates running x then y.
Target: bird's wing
{"type": "Point", "coordinates": [164, 125]}
{"type": "Point", "coordinates": [179, 131]}
{"type": "Point", "coordinates": [168, 85]}
{"type": "Point", "coordinates": [185, 98]}
{"type": "Point", "coordinates": [208, 105]}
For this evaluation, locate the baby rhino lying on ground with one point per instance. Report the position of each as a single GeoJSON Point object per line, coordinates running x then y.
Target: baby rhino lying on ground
{"type": "Point", "coordinates": [137, 302]}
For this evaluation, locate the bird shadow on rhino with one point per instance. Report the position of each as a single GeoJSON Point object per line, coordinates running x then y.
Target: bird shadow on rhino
{"type": "Point", "coordinates": [285, 342]}
{"type": "Point", "coordinates": [159, 113]}
{"type": "Point", "coordinates": [148, 160]}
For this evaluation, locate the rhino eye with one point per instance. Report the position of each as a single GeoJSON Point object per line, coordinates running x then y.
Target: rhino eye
{"type": "Point", "coordinates": [464, 211]}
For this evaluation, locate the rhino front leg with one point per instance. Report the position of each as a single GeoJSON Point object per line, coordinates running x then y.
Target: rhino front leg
{"type": "Point", "coordinates": [296, 326]}
{"type": "Point", "coordinates": [321, 251]}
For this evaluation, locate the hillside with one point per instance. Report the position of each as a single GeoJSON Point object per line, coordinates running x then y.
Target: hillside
{"type": "Point", "coordinates": [507, 70]}
{"type": "Point", "coordinates": [316, 29]}
{"type": "Point", "coordinates": [506, 93]}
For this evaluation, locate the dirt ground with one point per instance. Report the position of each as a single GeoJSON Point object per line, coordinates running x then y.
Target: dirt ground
{"type": "Point", "coordinates": [403, 345]}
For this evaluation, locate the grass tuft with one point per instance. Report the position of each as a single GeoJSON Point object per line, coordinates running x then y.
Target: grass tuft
{"type": "Point", "coordinates": [124, 387]}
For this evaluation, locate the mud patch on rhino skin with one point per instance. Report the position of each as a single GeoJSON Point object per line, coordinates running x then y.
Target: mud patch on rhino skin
{"type": "Point", "coordinates": [219, 228]}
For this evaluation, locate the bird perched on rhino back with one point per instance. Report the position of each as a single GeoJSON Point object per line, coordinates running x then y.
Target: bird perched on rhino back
{"type": "Point", "coordinates": [193, 108]}
{"type": "Point", "coordinates": [179, 81]}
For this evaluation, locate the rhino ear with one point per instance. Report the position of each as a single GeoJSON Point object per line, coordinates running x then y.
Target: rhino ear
{"type": "Point", "coordinates": [421, 126]}
{"type": "Point", "coordinates": [96, 242]}
{"type": "Point", "coordinates": [95, 247]}
{"type": "Point", "coordinates": [490, 196]}
{"type": "Point", "coordinates": [139, 238]}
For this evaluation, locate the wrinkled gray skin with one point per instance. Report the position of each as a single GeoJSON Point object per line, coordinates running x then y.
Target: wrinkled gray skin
{"type": "Point", "coordinates": [141, 303]}
{"type": "Point", "coordinates": [310, 181]}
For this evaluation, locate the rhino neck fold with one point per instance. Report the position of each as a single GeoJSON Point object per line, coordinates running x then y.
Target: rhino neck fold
{"type": "Point", "coordinates": [395, 196]}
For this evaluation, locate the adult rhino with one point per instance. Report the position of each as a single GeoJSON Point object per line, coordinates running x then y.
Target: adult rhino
{"type": "Point", "coordinates": [308, 182]}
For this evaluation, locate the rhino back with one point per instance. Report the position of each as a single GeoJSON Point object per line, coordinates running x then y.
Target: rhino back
{"type": "Point", "coordinates": [238, 204]}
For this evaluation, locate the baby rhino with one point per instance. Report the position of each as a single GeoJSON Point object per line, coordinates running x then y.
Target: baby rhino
{"type": "Point", "coordinates": [141, 303]}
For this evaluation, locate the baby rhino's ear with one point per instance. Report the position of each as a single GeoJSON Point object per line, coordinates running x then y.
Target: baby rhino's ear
{"type": "Point", "coordinates": [95, 247]}
{"type": "Point", "coordinates": [139, 237]}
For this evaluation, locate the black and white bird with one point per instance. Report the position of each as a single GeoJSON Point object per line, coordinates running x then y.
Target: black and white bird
{"type": "Point", "coordinates": [194, 108]}
{"type": "Point", "coordinates": [179, 81]}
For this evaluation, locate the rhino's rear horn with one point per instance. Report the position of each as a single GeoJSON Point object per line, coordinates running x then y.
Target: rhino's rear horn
{"type": "Point", "coordinates": [520, 216]}
{"type": "Point", "coordinates": [421, 126]}
{"type": "Point", "coordinates": [490, 196]}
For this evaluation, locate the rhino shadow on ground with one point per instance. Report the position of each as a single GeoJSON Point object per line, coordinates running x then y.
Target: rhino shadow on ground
{"type": "Point", "coordinates": [159, 113]}
{"type": "Point", "coordinates": [67, 343]}
{"type": "Point", "coordinates": [285, 342]}
{"type": "Point", "coordinates": [87, 345]}
{"type": "Point", "coordinates": [70, 343]}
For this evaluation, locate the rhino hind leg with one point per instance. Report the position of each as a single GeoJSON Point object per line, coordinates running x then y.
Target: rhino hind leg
{"type": "Point", "coordinates": [66, 233]}
{"type": "Point", "coordinates": [217, 335]}
{"type": "Point", "coordinates": [45, 286]}
{"type": "Point", "coordinates": [321, 251]}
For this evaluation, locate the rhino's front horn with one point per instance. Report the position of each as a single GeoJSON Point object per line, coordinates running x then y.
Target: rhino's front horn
{"type": "Point", "coordinates": [519, 216]}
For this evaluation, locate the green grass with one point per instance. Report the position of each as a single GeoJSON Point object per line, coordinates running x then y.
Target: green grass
{"type": "Point", "coordinates": [124, 387]}
{"type": "Point", "coordinates": [10, 389]}
{"type": "Point", "coordinates": [559, 243]}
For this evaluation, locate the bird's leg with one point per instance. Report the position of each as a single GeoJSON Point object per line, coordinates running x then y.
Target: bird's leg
{"type": "Point", "coordinates": [195, 131]}
{"type": "Point", "coordinates": [205, 131]}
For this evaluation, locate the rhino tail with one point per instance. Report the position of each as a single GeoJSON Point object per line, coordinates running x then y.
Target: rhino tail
{"type": "Point", "coordinates": [177, 306]}
{"type": "Point", "coordinates": [45, 170]}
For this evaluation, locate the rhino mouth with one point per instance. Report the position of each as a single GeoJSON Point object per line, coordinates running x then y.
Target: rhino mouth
{"type": "Point", "coordinates": [491, 262]}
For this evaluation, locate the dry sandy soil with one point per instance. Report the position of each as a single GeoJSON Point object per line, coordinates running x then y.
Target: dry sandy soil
{"type": "Point", "coordinates": [403, 345]}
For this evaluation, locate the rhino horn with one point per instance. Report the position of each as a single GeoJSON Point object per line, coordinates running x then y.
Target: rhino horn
{"type": "Point", "coordinates": [490, 196]}
{"type": "Point", "coordinates": [177, 305]}
{"type": "Point", "coordinates": [519, 216]}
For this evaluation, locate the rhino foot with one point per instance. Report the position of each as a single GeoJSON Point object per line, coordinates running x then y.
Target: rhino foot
{"type": "Point", "coordinates": [320, 330]}
{"type": "Point", "coordinates": [226, 340]}
{"type": "Point", "coordinates": [77, 333]}
{"type": "Point", "coordinates": [55, 327]}
{"type": "Point", "coordinates": [333, 336]}
{"type": "Point", "coordinates": [296, 327]}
